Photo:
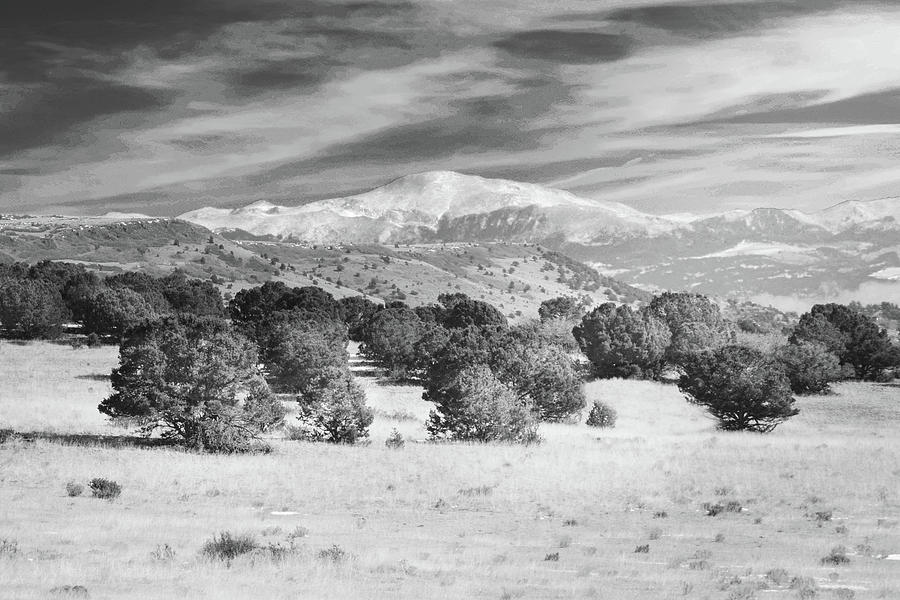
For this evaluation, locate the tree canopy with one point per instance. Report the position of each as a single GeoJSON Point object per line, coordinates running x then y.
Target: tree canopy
{"type": "Point", "coordinates": [743, 388]}
{"type": "Point", "coordinates": [621, 342]}
{"type": "Point", "coordinates": [853, 337]}
{"type": "Point", "coordinates": [188, 377]}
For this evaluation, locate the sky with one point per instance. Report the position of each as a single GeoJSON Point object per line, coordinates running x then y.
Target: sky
{"type": "Point", "coordinates": [164, 106]}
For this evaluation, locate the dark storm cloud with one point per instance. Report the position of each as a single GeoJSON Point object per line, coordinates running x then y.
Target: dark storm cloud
{"type": "Point", "coordinates": [282, 74]}
{"type": "Point", "coordinates": [169, 103]}
{"type": "Point", "coordinates": [709, 20]}
{"type": "Point", "coordinates": [60, 54]}
{"type": "Point", "coordinates": [573, 47]}
{"type": "Point", "coordinates": [44, 118]}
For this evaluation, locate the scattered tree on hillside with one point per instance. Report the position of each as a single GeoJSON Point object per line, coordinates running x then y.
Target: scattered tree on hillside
{"type": "Point", "coordinates": [463, 311]}
{"type": "Point", "coordinates": [196, 380]}
{"type": "Point", "coordinates": [852, 336]}
{"type": "Point", "coordinates": [567, 308]}
{"type": "Point", "coordinates": [621, 342]}
{"type": "Point", "coordinates": [741, 387]}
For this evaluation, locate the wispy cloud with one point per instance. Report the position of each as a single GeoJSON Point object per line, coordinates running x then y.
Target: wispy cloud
{"type": "Point", "coordinates": [667, 106]}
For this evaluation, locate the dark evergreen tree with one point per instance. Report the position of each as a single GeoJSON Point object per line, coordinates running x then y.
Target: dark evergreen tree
{"type": "Point", "coordinates": [695, 323]}
{"type": "Point", "coordinates": [195, 379]}
{"type": "Point", "coordinates": [621, 342]}
{"type": "Point", "coordinates": [31, 309]}
{"type": "Point", "coordinates": [809, 366]}
{"type": "Point", "coordinates": [743, 388]}
{"type": "Point", "coordinates": [853, 337]}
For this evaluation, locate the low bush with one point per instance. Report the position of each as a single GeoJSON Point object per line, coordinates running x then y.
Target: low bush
{"type": "Point", "coordinates": [74, 489]}
{"type": "Point", "coordinates": [8, 548]}
{"type": "Point", "coordinates": [163, 553]}
{"type": "Point", "coordinates": [601, 415]}
{"type": "Point", "coordinates": [227, 436]}
{"type": "Point", "coordinates": [333, 554]}
{"type": "Point", "coordinates": [227, 546]}
{"type": "Point", "coordinates": [105, 489]}
{"type": "Point", "coordinates": [70, 591]}
{"type": "Point", "coordinates": [395, 440]}
{"type": "Point", "coordinates": [837, 556]}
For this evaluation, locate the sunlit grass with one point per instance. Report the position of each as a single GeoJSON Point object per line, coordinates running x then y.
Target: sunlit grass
{"type": "Point", "coordinates": [412, 527]}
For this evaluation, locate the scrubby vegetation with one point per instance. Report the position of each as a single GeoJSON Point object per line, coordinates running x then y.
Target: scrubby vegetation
{"type": "Point", "coordinates": [601, 415]}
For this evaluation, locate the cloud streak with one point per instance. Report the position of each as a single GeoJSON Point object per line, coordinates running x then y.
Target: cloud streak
{"type": "Point", "coordinates": [163, 107]}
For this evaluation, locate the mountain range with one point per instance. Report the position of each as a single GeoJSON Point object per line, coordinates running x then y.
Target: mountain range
{"type": "Point", "coordinates": [849, 248]}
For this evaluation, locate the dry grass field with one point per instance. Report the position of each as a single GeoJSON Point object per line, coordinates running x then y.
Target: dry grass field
{"type": "Point", "coordinates": [614, 514]}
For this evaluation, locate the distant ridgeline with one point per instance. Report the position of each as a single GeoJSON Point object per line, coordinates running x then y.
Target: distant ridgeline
{"type": "Point", "coordinates": [741, 253]}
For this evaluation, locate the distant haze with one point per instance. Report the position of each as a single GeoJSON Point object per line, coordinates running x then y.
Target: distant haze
{"type": "Point", "coordinates": [165, 106]}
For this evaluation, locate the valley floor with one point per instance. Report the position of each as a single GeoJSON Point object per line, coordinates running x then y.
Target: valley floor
{"type": "Point", "coordinates": [614, 514]}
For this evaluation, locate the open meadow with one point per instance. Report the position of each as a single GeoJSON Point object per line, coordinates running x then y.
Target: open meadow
{"type": "Point", "coordinates": [661, 506]}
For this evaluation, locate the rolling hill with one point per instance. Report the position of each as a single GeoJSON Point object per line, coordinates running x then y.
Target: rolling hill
{"type": "Point", "coordinates": [514, 277]}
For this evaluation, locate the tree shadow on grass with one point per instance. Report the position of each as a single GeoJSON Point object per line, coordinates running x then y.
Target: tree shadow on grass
{"type": "Point", "coordinates": [87, 439]}
{"type": "Point", "coordinates": [94, 377]}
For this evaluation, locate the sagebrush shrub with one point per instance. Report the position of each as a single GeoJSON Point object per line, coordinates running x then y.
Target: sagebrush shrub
{"type": "Point", "coordinates": [837, 556]}
{"type": "Point", "coordinates": [8, 548]}
{"type": "Point", "coordinates": [334, 554]}
{"type": "Point", "coordinates": [163, 553]}
{"type": "Point", "coordinates": [70, 591]}
{"type": "Point", "coordinates": [105, 489]}
{"type": "Point", "coordinates": [227, 546]}
{"type": "Point", "coordinates": [227, 436]}
{"type": "Point", "coordinates": [74, 489]}
{"type": "Point", "coordinates": [601, 415]}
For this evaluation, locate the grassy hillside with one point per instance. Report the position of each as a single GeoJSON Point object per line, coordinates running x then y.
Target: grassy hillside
{"type": "Point", "coordinates": [559, 520]}
{"type": "Point", "coordinates": [514, 277]}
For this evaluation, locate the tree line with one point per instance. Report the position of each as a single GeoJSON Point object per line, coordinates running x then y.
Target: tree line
{"type": "Point", "coordinates": [37, 301]}
{"type": "Point", "coordinates": [215, 377]}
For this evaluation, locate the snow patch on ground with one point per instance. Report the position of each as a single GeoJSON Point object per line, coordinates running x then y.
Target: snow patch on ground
{"type": "Point", "coordinates": [758, 249]}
